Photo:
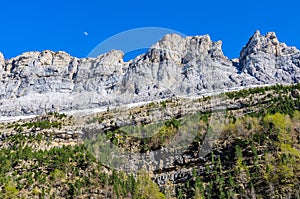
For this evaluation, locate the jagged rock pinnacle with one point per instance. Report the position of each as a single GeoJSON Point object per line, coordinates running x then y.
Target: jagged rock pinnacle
{"type": "Point", "coordinates": [266, 59]}
{"type": "Point", "coordinates": [258, 43]}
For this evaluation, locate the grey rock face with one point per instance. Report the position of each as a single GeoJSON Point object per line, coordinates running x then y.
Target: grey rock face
{"type": "Point", "coordinates": [37, 82]}
{"type": "Point", "coordinates": [179, 66]}
{"type": "Point", "coordinates": [2, 63]}
{"type": "Point", "coordinates": [270, 61]}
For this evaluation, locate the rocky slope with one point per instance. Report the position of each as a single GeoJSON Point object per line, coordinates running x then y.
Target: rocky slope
{"type": "Point", "coordinates": [38, 82]}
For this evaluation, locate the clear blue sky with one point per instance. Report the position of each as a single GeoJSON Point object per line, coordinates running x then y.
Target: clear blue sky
{"type": "Point", "coordinates": [60, 25]}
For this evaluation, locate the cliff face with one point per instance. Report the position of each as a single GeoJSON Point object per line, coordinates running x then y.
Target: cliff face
{"type": "Point", "coordinates": [37, 82]}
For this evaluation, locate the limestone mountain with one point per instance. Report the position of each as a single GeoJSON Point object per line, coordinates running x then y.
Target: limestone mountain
{"type": "Point", "coordinates": [38, 82]}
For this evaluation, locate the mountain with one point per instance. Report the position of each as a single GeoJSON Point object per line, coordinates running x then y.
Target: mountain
{"type": "Point", "coordinates": [39, 82]}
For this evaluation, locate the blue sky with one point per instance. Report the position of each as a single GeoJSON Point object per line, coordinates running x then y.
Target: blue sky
{"type": "Point", "coordinates": [60, 25]}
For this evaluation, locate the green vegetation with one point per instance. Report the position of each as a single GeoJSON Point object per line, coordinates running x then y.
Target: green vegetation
{"type": "Point", "coordinates": [262, 161]}
{"type": "Point", "coordinates": [144, 137]}
{"type": "Point", "coordinates": [278, 88]}
{"type": "Point", "coordinates": [58, 115]}
{"type": "Point", "coordinates": [269, 100]}
{"type": "Point", "coordinates": [65, 172]}
{"type": "Point", "coordinates": [146, 189]}
{"type": "Point", "coordinates": [45, 124]}
{"type": "Point", "coordinates": [256, 154]}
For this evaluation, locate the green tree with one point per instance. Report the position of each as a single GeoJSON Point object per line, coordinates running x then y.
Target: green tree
{"type": "Point", "coordinates": [11, 191]}
{"type": "Point", "coordinates": [57, 175]}
{"type": "Point", "coordinates": [146, 188]}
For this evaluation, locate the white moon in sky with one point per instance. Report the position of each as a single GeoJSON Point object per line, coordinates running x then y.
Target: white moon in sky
{"type": "Point", "coordinates": [86, 33]}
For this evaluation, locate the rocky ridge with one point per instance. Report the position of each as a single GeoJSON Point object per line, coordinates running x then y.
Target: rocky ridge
{"type": "Point", "coordinates": [39, 82]}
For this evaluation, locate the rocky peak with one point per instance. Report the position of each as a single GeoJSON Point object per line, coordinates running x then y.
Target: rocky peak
{"type": "Point", "coordinates": [182, 50]}
{"type": "Point", "coordinates": [169, 48]}
{"type": "Point", "coordinates": [46, 57]}
{"type": "Point", "coordinates": [26, 59]}
{"type": "Point", "coordinates": [264, 45]}
{"type": "Point", "coordinates": [112, 58]}
{"type": "Point", "coordinates": [59, 58]}
{"type": "Point", "coordinates": [37, 59]}
{"type": "Point", "coordinates": [259, 43]}
{"type": "Point", "coordinates": [169, 42]}
{"type": "Point", "coordinates": [268, 60]}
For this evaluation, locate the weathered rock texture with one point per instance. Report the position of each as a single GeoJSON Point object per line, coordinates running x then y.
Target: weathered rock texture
{"type": "Point", "coordinates": [37, 82]}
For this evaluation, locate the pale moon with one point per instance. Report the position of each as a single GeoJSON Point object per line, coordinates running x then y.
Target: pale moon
{"type": "Point", "coordinates": [86, 33]}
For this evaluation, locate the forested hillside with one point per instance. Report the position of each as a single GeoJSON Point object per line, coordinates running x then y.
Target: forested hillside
{"type": "Point", "coordinates": [256, 155]}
